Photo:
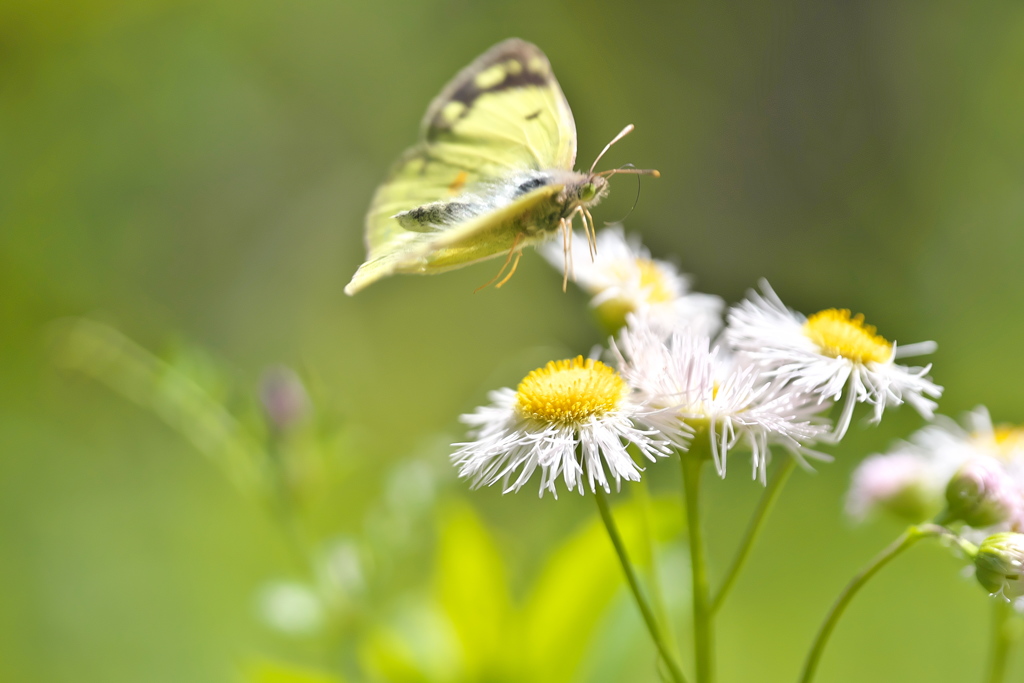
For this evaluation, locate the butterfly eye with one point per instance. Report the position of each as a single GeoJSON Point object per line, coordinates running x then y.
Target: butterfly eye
{"type": "Point", "coordinates": [587, 192]}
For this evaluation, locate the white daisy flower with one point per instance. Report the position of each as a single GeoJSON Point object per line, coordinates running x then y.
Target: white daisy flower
{"type": "Point", "coordinates": [623, 278]}
{"type": "Point", "coordinates": [570, 418]}
{"type": "Point", "coordinates": [973, 471]}
{"type": "Point", "coordinates": [829, 353]}
{"type": "Point", "coordinates": [700, 387]}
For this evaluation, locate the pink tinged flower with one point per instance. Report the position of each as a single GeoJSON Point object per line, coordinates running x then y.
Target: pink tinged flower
{"type": "Point", "coordinates": [982, 493]}
{"type": "Point", "coordinates": [977, 472]}
{"type": "Point", "coordinates": [902, 484]}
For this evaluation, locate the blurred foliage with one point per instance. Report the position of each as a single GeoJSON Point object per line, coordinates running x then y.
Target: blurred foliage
{"type": "Point", "coordinates": [351, 600]}
{"type": "Point", "coordinates": [199, 170]}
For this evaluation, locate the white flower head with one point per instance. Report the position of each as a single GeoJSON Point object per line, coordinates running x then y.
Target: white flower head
{"type": "Point", "coordinates": [571, 418]}
{"type": "Point", "coordinates": [830, 353]}
{"type": "Point", "coordinates": [622, 278]}
{"type": "Point", "coordinates": [698, 386]}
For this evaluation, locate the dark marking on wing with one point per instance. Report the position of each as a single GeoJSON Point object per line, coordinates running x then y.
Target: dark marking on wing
{"type": "Point", "coordinates": [525, 65]}
{"type": "Point", "coordinates": [531, 117]}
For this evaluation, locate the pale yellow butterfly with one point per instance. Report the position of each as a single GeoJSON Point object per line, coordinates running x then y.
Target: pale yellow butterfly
{"type": "Point", "coordinates": [492, 173]}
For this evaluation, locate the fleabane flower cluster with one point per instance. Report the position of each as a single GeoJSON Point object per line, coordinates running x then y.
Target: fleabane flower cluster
{"type": "Point", "coordinates": [975, 473]}
{"type": "Point", "coordinates": [676, 380]}
{"type": "Point", "coordinates": [829, 354]}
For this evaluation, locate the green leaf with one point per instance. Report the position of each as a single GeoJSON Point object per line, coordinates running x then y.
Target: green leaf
{"type": "Point", "coordinates": [416, 646]}
{"type": "Point", "coordinates": [472, 588]}
{"type": "Point", "coordinates": [574, 588]}
{"type": "Point", "coordinates": [266, 671]}
{"type": "Point", "coordinates": [185, 393]}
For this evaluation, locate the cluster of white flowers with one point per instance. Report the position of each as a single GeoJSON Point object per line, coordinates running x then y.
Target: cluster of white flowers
{"type": "Point", "coordinates": [676, 379]}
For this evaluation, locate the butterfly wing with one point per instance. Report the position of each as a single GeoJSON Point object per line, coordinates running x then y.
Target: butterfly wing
{"type": "Point", "coordinates": [502, 115]}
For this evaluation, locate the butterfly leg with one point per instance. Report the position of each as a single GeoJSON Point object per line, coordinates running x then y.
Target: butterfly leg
{"type": "Point", "coordinates": [567, 266]}
{"type": "Point", "coordinates": [515, 264]}
{"type": "Point", "coordinates": [588, 218]}
{"type": "Point", "coordinates": [514, 251]}
{"type": "Point", "coordinates": [588, 229]}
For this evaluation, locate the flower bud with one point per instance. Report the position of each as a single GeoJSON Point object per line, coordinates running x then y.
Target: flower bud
{"type": "Point", "coordinates": [982, 493]}
{"type": "Point", "coordinates": [1000, 564]}
{"type": "Point", "coordinates": [284, 398]}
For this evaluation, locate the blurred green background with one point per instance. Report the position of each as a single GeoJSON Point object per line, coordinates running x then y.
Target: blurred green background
{"type": "Point", "coordinates": [198, 171]}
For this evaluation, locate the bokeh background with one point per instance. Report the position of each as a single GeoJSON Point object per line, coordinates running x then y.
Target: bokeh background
{"type": "Point", "coordinates": [195, 175]}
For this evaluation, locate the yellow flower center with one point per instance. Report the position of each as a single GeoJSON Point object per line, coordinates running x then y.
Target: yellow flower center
{"type": "Point", "coordinates": [840, 335]}
{"type": "Point", "coordinates": [653, 280]}
{"type": "Point", "coordinates": [570, 391]}
{"type": "Point", "coordinates": [1005, 442]}
{"type": "Point", "coordinates": [654, 284]}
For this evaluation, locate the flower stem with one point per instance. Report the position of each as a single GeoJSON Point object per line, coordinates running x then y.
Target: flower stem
{"type": "Point", "coordinates": [905, 540]}
{"type": "Point", "coordinates": [643, 499]}
{"type": "Point", "coordinates": [764, 507]}
{"type": "Point", "coordinates": [702, 612]}
{"type": "Point", "coordinates": [634, 586]}
{"type": "Point", "coordinates": [284, 504]}
{"type": "Point", "coordinates": [1001, 639]}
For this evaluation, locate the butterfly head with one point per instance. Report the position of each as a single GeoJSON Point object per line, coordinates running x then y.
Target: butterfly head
{"type": "Point", "coordinates": [590, 190]}
{"type": "Point", "coordinates": [596, 185]}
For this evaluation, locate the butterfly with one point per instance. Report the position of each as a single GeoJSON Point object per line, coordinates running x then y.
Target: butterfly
{"type": "Point", "coordinates": [492, 174]}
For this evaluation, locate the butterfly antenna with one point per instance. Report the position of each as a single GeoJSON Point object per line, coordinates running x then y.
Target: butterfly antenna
{"type": "Point", "coordinates": [623, 133]}
{"type": "Point", "coordinates": [635, 201]}
{"type": "Point", "coordinates": [631, 171]}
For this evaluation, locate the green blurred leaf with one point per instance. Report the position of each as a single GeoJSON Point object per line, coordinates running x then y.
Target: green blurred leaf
{"type": "Point", "coordinates": [416, 646]}
{"type": "Point", "coordinates": [472, 587]}
{"type": "Point", "coordinates": [266, 671]}
{"type": "Point", "coordinates": [186, 392]}
{"type": "Point", "coordinates": [390, 657]}
{"type": "Point", "coordinates": [574, 588]}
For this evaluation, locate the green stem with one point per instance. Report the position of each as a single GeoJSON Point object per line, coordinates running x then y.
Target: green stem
{"type": "Point", "coordinates": [905, 540]}
{"type": "Point", "coordinates": [764, 507]}
{"type": "Point", "coordinates": [285, 506]}
{"type": "Point", "coordinates": [1001, 639]}
{"type": "Point", "coordinates": [634, 586]}
{"type": "Point", "coordinates": [643, 499]}
{"type": "Point", "coordinates": [702, 612]}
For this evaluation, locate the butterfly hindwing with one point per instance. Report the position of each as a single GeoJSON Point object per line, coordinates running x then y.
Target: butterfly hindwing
{"type": "Point", "coordinates": [501, 118]}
